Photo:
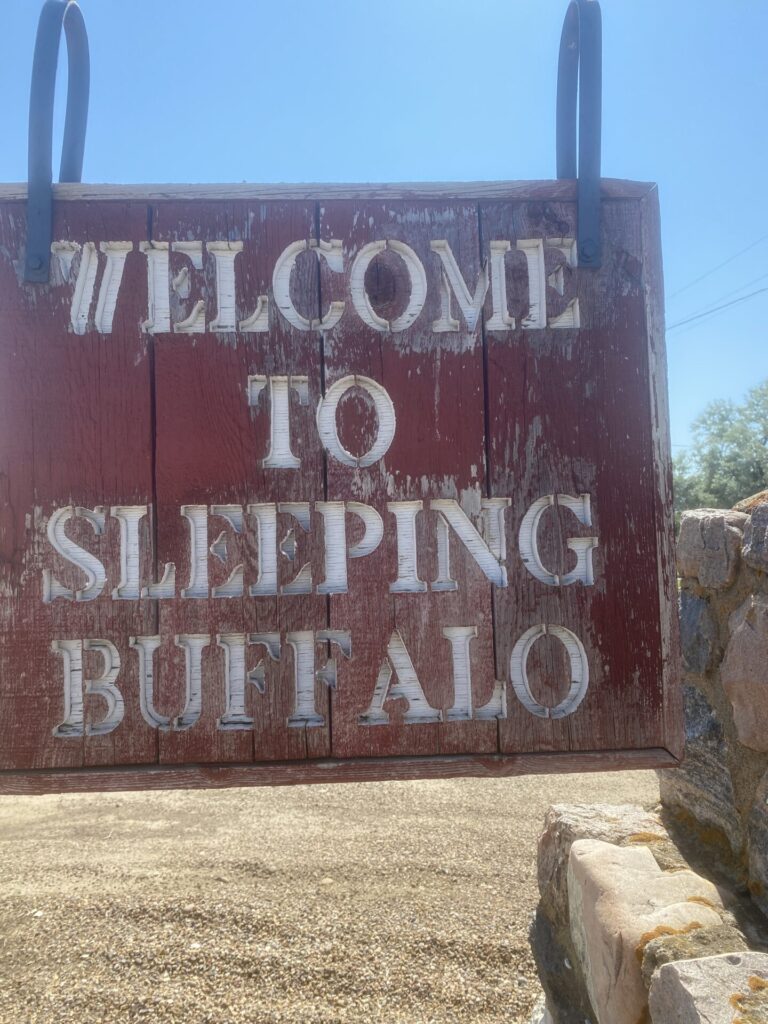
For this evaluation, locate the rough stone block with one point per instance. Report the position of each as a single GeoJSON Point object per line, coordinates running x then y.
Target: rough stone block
{"type": "Point", "coordinates": [701, 787]}
{"type": "Point", "coordinates": [755, 549]}
{"type": "Point", "coordinates": [713, 990]}
{"type": "Point", "coordinates": [550, 934]}
{"type": "Point", "coordinates": [698, 633]}
{"type": "Point", "coordinates": [750, 503]}
{"type": "Point", "coordinates": [757, 840]}
{"type": "Point", "coordinates": [620, 900]}
{"type": "Point", "coordinates": [565, 823]}
{"type": "Point", "coordinates": [693, 945]}
{"type": "Point", "coordinates": [744, 676]}
{"type": "Point", "coordinates": [709, 545]}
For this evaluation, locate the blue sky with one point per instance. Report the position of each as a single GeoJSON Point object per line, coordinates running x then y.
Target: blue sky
{"type": "Point", "coordinates": [317, 90]}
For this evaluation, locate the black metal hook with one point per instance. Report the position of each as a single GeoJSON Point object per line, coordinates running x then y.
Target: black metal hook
{"type": "Point", "coordinates": [54, 15]}
{"type": "Point", "coordinates": [579, 72]}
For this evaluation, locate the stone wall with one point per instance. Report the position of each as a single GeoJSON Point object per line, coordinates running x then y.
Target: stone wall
{"type": "Point", "coordinates": [720, 793]}
{"type": "Point", "coordinates": [622, 918]}
{"type": "Point", "coordinates": [662, 915]}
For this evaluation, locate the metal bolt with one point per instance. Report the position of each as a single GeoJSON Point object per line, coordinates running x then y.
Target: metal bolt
{"type": "Point", "coordinates": [588, 249]}
{"type": "Point", "coordinates": [35, 263]}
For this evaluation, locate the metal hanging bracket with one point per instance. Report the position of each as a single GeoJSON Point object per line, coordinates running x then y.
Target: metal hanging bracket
{"type": "Point", "coordinates": [55, 15]}
{"type": "Point", "coordinates": [579, 76]}
{"type": "Point", "coordinates": [579, 73]}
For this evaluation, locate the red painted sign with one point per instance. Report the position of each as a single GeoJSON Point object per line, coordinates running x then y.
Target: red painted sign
{"type": "Point", "coordinates": [333, 483]}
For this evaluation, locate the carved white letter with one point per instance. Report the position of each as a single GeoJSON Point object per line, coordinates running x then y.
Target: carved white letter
{"type": "Point", "coordinates": [159, 307]}
{"type": "Point", "coordinates": [96, 576]}
{"type": "Point", "coordinates": [233, 587]}
{"type": "Point", "coordinates": [194, 322]}
{"type": "Point", "coordinates": [451, 281]}
{"type": "Point", "coordinates": [500, 319]}
{"type": "Point", "coordinates": [416, 274]}
{"type": "Point", "coordinates": [407, 581]}
{"type": "Point", "coordinates": [129, 516]}
{"type": "Point", "coordinates": [335, 543]}
{"type": "Point", "coordinates": [145, 647]}
{"type": "Point", "coordinates": [129, 588]}
{"type": "Point", "coordinates": [583, 547]}
{"type": "Point", "coordinates": [489, 560]}
{"type": "Point", "coordinates": [198, 551]}
{"type": "Point", "coordinates": [279, 455]}
{"type": "Point", "coordinates": [583, 571]}
{"type": "Point", "coordinates": [104, 686]}
{"type": "Point", "coordinates": [459, 638]}
{"type": "Point", "coordinates": [84, 285]}
{"type": "Point", "coordinates": [537, 282]}
{"type": "Point", "coordinates": [335, 540]}
{"type": "Point", "coordinates": [331, 252]}
{"type": "Point", "coordinates": [577, 656]}
{"type": "Point", "coordinates": [302, 581]}
{"type": "Point", "coordinates": [303, 643]}
{"type": "Point", "coordinates": [570, 317]}
{"type": "Point", "coordinates": [111, 280]}
{"type": "Point", "coordinates": [266, 526]}
{"type": "Point", "coordinates": [326, 420]}
{"type": "Point", "coordinates": [224, 254]}
{"type": "Point", "coordinates": [235, 677]}
{"type": "Point", "coordinates": [192, 644]}
{"type": "Point", "coordinates": [407, 688]}
{"type": "Point", "coordinates": [71, 652]}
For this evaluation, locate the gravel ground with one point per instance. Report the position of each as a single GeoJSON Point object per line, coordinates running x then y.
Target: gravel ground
{"type": "Point", "coordinates": [394, 903]}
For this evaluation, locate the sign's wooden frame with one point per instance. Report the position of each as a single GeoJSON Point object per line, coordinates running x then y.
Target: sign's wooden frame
{"type": "Point", "coordinates": [553, 191]}
{"type": "Point", "coordinates": [287, 773]}
{"type": "Point", "coordinates": [373, 769]}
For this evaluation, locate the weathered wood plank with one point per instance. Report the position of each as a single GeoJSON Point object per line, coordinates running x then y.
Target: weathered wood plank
{"type": "Point", "coordinates": [211, 446]}
{"type": "Point", "coordinates": [570, 415]}
{"type": "Point", "coordinates": [330, 771]}
{"type": "Point", "coordinates": [435, 381]}
{"type": "Point", "coordinates": [75, 430]}
{"type": "Point", "coordinates": [563, 190]}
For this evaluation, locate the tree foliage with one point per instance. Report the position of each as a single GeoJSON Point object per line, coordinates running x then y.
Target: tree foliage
{"type": "Point", "coordinates": [729, 457]}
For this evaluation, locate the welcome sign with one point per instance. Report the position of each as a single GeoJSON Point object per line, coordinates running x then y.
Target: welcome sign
{"type": "Point", "coordinates": [330, 482]}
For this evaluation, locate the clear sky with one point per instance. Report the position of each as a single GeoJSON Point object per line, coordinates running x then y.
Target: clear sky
{"type": "Point", "coordinates": [344, 90]}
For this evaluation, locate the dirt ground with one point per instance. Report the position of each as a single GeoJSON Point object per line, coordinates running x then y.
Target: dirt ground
{"type": "Point", "coordinates": [393, 903]}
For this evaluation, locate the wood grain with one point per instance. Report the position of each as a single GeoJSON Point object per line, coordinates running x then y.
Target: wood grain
{"type": "Point", "coordinates": [674, 729]}
{"type": "Point", "coordinates": [570, 414]}
{"type": "Point", "coordinates": [563, 190]}
{"type": "Point", "coordinates": [436, 382]}
{"type": "Point", "coordinates": [210, 448]}
{"type": "Point", "coordinates": [74, 430]}
{"type": "Point", "coordinates": [330, 771]}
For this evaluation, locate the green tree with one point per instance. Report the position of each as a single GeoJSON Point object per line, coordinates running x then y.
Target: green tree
{"type": "Point", "coordinates": [729, 459]}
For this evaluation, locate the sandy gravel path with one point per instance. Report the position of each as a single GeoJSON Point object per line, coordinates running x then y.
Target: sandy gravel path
{"type": "Point", "coordinates": [395, 903]}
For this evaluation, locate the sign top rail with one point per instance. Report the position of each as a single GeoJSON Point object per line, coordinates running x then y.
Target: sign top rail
{"type": "Point", "coordinates": [554, 190]}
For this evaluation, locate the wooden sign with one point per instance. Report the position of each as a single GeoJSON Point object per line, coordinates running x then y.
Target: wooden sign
{"type": "Point", "coordinates": [324, 483]}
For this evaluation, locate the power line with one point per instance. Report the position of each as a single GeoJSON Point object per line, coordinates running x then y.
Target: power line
{"type": "Point", "coordinates": [719, 266]}
{"type": "Point", "coordinates": [726, 295]}
{"type": "Point", "coordinates": [735, 291]}
{"type": "Point", "coordinates": [698, 323]}
{"type": "Point", "coordinates": [716, 309]}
